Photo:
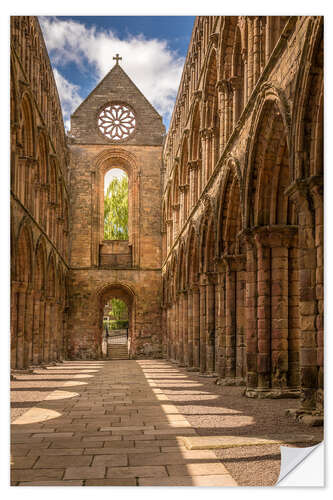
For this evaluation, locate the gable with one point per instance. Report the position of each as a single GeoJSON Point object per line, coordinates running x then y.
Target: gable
{"type": "Point", "coordinates": [117, 88]}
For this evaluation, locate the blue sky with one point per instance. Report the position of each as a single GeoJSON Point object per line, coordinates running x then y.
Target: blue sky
{"type": "Point", "coordinates": [153, 49]}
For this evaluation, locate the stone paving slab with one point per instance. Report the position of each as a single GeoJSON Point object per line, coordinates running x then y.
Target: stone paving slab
{"type": "Point", "coordinates": [140, 471]}
{"type": "Point", "coordinates": [214, 442]}
{"type": "Point", "coordinates": [211, 480]}
{"type": "Point", "coordinates": [51, 483]}
{"type": "Point", "coordinates": [118, 428]}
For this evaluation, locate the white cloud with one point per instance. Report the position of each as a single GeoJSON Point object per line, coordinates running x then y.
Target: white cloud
{"type": "Point", "coordinates": [69, 96]}
{"type": "Point", "coordinates": [150, 63]}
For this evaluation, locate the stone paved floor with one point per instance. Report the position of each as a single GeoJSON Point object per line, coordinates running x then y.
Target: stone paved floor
{"type": "Point", "coordinates": [120, 423]}
{"type": "Point", "coordinates": [108, 423]}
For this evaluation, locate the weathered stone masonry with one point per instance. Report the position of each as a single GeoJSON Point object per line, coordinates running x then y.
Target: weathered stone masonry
{"type": "Point", "coordinates": [238, 269]}
{"type": "Point", "coordinates": [242, 207]}
{"type": "Point", "coordinates": [102, 269]}
{"type": "Point", "coordinates": [39, 203]}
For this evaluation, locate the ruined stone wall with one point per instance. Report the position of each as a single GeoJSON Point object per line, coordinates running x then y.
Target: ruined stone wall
{"type": "Point", "coordinates": [102, 269]}
{"type": "Point", "coordinates": [242, 207]}
{"type": "Point", "coordinates": [39, 202]}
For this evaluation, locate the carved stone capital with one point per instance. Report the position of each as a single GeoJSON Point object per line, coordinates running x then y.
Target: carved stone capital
{"type": "Point", "coordinates": [277, 235]}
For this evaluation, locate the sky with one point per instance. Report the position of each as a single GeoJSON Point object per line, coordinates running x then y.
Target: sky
{"type": "Point", "coordinates": [114, 173]}
{"type": "Point", "coordinates": [153, 51]}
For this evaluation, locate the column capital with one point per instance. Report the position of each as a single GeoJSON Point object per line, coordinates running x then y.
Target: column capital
{"type": "Point", "coordinates": [234, 262]}
{"type": "Point", "coordinates": [277, 235]}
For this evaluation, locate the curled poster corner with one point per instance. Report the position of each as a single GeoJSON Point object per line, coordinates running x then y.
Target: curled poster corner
{"type": "Point", "coordinates": [302, 466]}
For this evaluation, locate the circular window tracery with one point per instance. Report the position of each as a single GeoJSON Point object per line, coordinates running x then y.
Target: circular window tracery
{"type": "Point", "coordinates": [116, 122]}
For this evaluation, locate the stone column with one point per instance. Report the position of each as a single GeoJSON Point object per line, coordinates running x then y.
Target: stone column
{"type": "Point", "coordinates": [220, 320]}
{"type": "Point", "coordinates": [169, 331]}
{"type": "Point", "coordinates": [28, 326]}
{"type": "Point", "coordinates": [189, 355]}
{"type": "Point", "coordinates": [15, 287]}
{"type": "Point", "coordinates": [203, 323]}
{"type": "Point", "coordinates": [205, 157]}
{"type": "Point", "coordinates": [240, 263]}
{"type": "Point", "coordinates": [21, 308]}
{"type": "Point", "coordinates": [251, 311]}
{"type": "Point", "coordinates": [237, 105]}
{"type": "Point", "coordinates": [273, 304]}
{"type": "Point", "coordinates": [316, 189]}
{"type": "Point", "coordinates": [263, 315]}
{"type": "Point", "coordinates": [41, 346]}
{"type": "Point", "coordinates": [196, 327]}
{"type": "Point", "coordinates": [164, 331]}
{"type": "Point", "coordinates": [47, 330]}
{"type": "Point", "coordinates": [174, 339]}
{"type": "Point", "coordinates": [300, 193]}
{"type": "Point", "coordinates": [230, 317]}
{"type": "Point", "coordinates": [185, 328]}
{"type": "Point", "coordinates": [250, 54]}
{"type": "Point", "coordinates": [194, 182]}
{"type": "Point", "coordinates": [177, 329]}
{"type": "Point", "coordinates": [256, 52]}
{"type": "Point", "coordinates": [222, 111]}
{"type": "Point", "coordinates": [210, 324]}
{"type": "Point", "coordinates": [181, 329]}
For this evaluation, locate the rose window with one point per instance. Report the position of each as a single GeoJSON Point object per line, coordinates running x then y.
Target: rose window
{"type": "Point", "coordinates": [116, 122]}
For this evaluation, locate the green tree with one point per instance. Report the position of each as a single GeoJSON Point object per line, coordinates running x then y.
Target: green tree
{"type": "Point", "coordinates": [116, 210]}
{"type": "Point", "coordinates": [118, 309]}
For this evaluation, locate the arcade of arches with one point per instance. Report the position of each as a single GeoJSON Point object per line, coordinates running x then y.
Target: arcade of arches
{"type": "Point", "coordinates": [223, 269]}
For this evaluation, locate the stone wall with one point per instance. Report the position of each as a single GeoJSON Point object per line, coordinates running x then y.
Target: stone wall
{"type": "Point", "coordinates": [242, 207]}
{"type": "Point", "coordinates": [97, 264]}
{"type": "Point", "coordinates": [39, 202]}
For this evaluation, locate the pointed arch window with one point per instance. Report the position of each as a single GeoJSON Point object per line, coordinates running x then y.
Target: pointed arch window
{"type": "Point", "coordinates": [116, 205]}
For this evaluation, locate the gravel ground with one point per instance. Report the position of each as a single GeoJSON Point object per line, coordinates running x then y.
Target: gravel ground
{"type": "Point", "coordinates": [218, 410]}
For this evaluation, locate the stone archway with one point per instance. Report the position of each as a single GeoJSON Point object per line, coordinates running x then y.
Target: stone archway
{"type": "Point", "coordinates": [126, 294]}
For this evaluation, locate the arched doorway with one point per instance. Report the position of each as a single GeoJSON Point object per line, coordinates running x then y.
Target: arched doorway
{"type": "Point", "coordinates": [117, 320]}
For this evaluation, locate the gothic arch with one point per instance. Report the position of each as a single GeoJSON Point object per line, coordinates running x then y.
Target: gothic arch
{"type": "Point", "coordinates": [307, 114]}
{"type": "Point", "coordinates": [103, 162]}
{"type": "Point", "coordinates": [230, 210]}
{"type": "Point", "coordinates": [23, 252]}
{"type": "Point", "coordinates": [272, 109]}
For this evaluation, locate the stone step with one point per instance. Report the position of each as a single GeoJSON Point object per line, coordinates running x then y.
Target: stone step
{"type": "Point", "coordinates": [117, 352]}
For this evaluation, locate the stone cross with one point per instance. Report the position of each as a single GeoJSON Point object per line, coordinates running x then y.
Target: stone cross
{"type": "Point", "coordinates": [117, 58]}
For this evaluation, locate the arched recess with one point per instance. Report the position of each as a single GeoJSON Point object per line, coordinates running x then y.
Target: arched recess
{"type": "Point", "coordinates": [196, 156]}
{"type": "Point", "coordinates": [21, 297]}
{"type": "Point", "coordinates": [207, 291]}
{"type": "Point", "coordinates": [192, 280]}
{"type": "Point", "coordinates": [41, 181]}
{"type": "Point", "coordinates": [181, 306]}
{"type": "Point", "coordinates": [212, 119]}
{"type": "Point", "coordinates": [175, 202]}
{"type": "Point", "coordinates": [105, 161]}
{"type": "Point", "coordinates": [307, 193]}
{"type": "Point", "coordinates": [231, 278]}
{"type": "Point", "coordinates": [237, 79]}
{"type": "Point", "coordinates": [184, 180]}
{"type": "Point", "coordinates": [39, 286]}
{"type": "Point", "coordinates": [25, 163]}
{"type": "Point", "coordinates": [125, 293]}
{"type": "Point", "coordinates": [307, 115]}
{"type": "Point", "coordinates": [49, 348]}
{"type": "Point", "coordinates": [169, 219]}
{"type": "Point", "coordinates": [272, 219]}
{"type": "Point", "coordinates": [164, 231]}
{"type": "Point", "coordinates": [225, 52]}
